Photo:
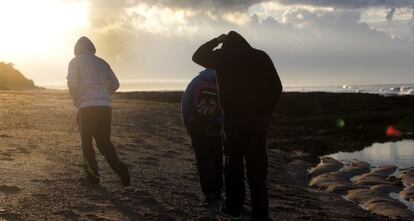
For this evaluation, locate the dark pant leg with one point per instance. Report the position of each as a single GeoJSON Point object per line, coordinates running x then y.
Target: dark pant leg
{"type": "Point", "coordinates": [256, 166]}
{"type": "Point", "coordinates": [209, 159]}
{"type": "Point", "coordinates": [102, 134]}
{"type": "Point", "coordinates": [234, 166]}
{"type": "Point", "coordinates": [85, 121]}
{"type": "Point", "coordinates": [218, 164]}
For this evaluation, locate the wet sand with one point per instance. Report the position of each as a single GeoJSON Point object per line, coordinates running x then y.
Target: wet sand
{"type": "Point", "coordinates": [41, 161]}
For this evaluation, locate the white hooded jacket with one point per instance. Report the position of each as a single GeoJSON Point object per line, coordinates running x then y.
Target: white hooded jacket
{"type": "Point", "coordinates": [91, 81]}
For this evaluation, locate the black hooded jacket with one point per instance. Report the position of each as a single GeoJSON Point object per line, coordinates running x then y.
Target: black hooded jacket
{"type": "Point", "coordinates": [247, 79]}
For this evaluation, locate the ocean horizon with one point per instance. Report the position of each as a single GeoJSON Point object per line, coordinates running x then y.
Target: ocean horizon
{"type": "Point", "coordinates": [180, 85]}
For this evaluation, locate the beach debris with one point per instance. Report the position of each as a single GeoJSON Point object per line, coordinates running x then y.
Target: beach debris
{"type": "Point", "coordinates": [377, 176]}
{"type": "Point", "coordinates": [327, 164]}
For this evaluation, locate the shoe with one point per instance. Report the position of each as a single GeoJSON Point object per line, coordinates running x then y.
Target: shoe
{"type": "Point", "coordinates": [91, 176]}
{"type": "Point", "coordinates": [123, 173]}
{"type": "Point", "coordinates": [229, 214]}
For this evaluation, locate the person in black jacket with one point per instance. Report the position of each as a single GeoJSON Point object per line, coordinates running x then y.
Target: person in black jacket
{"type": "Point", "coordinates": [249, 87]}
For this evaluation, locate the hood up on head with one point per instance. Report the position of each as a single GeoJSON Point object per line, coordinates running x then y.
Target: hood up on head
{"type": "Point", "coordinates": [235, 41]}
{"type": "Point", "coordinates": [84, 46]}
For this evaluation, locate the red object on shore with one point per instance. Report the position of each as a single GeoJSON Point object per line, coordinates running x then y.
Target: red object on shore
{"type": "Point", "coordinates": [393, 132]}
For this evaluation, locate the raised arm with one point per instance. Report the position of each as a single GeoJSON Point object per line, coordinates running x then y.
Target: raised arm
{"type": "Point", "coordinates": [206, 56]}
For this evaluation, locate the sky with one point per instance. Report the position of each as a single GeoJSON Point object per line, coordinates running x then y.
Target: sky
{"type": "Point", "coordinates": [150, 42]}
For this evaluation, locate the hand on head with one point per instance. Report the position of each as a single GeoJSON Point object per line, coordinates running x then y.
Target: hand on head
{"type": "Point", "coordinates": [222, 38]}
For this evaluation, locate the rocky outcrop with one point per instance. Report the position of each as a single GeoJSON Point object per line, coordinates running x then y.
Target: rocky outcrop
{"type": "Point", "coordinates": [370, 189]}
{"type": "Point", "coordinates": [339, 181]}
{"type": "Point", "coordinates": [327, 164]}
{"type": "Point", "coordinates": [11, 78]}
{"type": "Point", "coordinates": [376, 177]}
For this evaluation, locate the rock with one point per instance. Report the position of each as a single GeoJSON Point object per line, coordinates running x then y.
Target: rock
{"type": "Point", "coordinates": [395, 181]}
{"type": "Point", "coordinates": [407, 176]}
{"type": "Point", "coordinates": [325, 180]}
{"type": "Point", "coordinates": [339, 182]}
{"type": "Point", "coordinates": [381, 204]}
{"type": "Point", "coordinates": [370, 181]}
{"type": "Point", "coordinates": [327, 164]}
{"type": "Point", "coordinates": [386, 188]}
{"type": "Point", "coordinates": [389, 208]}
{"type": "Point", "coordinates": [355, 168]}
{"type": "Point", "coordinates": [378, 176]}
{"type": "Point", "coordinates": [362, 196]}
{"type": "Point", "coordinates": [340, 188]}
{"type": "Point", "coordinates": [408, 193]}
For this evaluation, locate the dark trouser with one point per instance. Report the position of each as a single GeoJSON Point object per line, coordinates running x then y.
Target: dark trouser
{"type": "Point", "coordinates": [246, 139]}
{"type": "Point", "coordinates": [209, 159]}
{"type": "Point", "coordinates": [95, 123]}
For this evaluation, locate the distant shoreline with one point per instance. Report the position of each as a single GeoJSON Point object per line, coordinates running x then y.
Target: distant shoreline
{"type": "Point", "coordinates": [383, 89]}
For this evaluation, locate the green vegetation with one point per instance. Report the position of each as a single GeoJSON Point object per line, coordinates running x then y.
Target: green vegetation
{"type": "Point", "coordinates": [11, 78]}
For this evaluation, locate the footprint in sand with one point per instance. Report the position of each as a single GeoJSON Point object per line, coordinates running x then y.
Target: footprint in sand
{"type": "Point", "coordinates": [9, 189]}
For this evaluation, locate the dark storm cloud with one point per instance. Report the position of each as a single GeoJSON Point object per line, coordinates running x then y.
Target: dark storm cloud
{"type": "Point", "coordinates": [243, 4]}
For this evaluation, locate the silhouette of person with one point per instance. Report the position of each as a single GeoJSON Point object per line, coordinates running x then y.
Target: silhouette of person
{"type": "Point", "coordinates": [91, 83]}
{"type": "Point", "coordinates": [249, 87]}
{"type": "Point", "coordinates": [202, 118]}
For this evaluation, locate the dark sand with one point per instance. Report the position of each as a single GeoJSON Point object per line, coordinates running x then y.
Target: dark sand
{"type": "Point", "coordinates": [41, 174]}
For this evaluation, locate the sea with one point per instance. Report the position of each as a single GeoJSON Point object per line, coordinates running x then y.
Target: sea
{"type": "Point", "coordinates": [180, 85]}
{"type": "Point", "coordinates": [382, 89]}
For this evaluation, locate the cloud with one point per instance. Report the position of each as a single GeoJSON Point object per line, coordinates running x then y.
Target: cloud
{"type": "Point", "coordinates": [352, 4]}
{"type": "Point", "coordinates": [155, 39]}
{"type": "Point", "coordinates": [210, 4]}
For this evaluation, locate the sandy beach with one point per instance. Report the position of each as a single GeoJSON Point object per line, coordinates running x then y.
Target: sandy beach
{"type": "Point", "coordinates": [41, 161]}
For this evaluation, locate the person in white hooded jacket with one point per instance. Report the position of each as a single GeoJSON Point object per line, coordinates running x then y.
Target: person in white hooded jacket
{"type": "Point", "coordinates": [91, 83]}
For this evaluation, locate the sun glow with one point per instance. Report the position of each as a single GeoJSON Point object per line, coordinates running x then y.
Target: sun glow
{"type": "Point", "coordinates": [37, 27]}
